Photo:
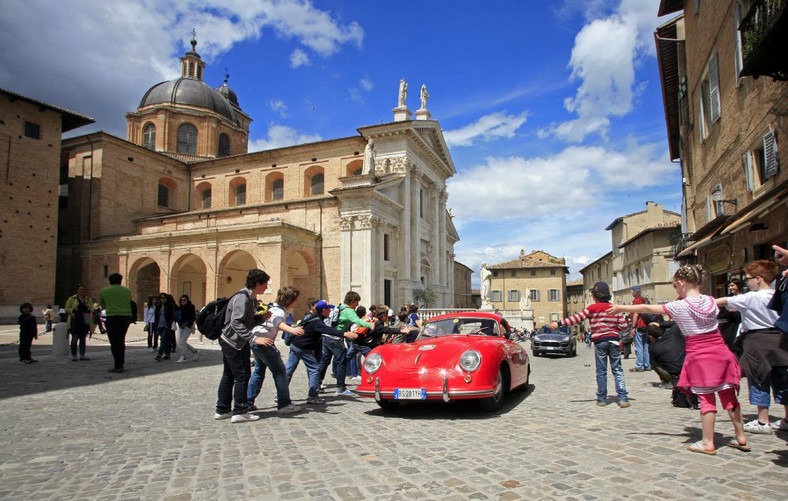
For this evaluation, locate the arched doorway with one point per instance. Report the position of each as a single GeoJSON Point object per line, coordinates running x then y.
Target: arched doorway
{"type": "Point", "coordinates": [232, 272]}
{"type": "Point", "coordinates": [188, 277]}
{"type": "Point", "coordinates": [300, 273]}
{"type": "Point", "coordinates": [146, 281]}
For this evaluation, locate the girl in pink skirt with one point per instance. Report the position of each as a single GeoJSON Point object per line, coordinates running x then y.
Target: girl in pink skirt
{"type": "Point", "coordinates": [709, 366]}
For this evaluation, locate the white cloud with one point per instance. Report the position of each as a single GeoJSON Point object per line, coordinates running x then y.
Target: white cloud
{"type": "Point", "coordinates": [366, 84]}
{"type": "Point", "coordinates": [280, 136]}
{"type": "Point", "coordinates": [493, 126]}
{"type": "Point", "coordinates": [278, 106]}
{"type": "Point", "coordinates": [299, 58]}
{"type": "Point", "coordinates": [603, 59]}
{"type": "Point", "coordinates": [524, 189]}
{"type": "Point", "coordinates": [119, 48]}
{"type": "Point", "coordinates": [357, 92]}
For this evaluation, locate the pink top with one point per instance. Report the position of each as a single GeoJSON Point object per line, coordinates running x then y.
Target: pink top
{"type": "Point", "coordinates": [694, 315]}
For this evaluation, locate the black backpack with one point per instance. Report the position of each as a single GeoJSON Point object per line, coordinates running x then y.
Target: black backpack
{"type": "Point", "coordinates": [210, 320]}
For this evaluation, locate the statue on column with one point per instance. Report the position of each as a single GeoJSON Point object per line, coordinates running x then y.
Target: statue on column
{"type": "Point", "coordinates": [424, 96]}
{"type": "Point", "coordinates": [403, 93]}
{"type": "Point", "coordinates": [369, 158]}
{"type": "Point", "coordinates": [525, 300]}
{"type": "Point", "coordinates": [485, 289]}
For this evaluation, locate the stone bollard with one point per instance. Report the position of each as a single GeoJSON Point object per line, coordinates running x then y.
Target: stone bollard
{"type": "Point", "coordinates": [59, 340]}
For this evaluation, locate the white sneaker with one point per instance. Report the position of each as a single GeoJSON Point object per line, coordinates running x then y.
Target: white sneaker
{"type": "Point", "coordinates": [224, 415]}
{"type": "Point", "coordinates": [780, 425]}
{"type": "Point", "coordinates": [755, 427]}
{"type": "Point", "coordinates": [244, 418]}
{"type": "Point", "coordinates": [289, 409]}
{"type": "Point", "coordinates": [180, 360]}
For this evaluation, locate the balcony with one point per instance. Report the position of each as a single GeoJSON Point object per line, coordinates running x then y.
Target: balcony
{"type": "Point", "coordinates": [764, 35]}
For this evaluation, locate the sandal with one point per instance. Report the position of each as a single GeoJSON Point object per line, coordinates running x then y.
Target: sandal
{"type": "Point", "coordinates": [738, 445]}
{"type": "Point", "coordinates": [698, 447]}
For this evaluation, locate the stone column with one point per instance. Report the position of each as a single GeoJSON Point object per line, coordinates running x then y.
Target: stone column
{"type": "Point", "coordinates": [364, 251]}
{"type": "Point", "coordinates": [415, 240]}
{"type": "Point", "coordinates": [346, 251]}
{"type": "Point", "coordinates": [404, 243]}
{"type": "Point", "coordinates": [436, 258]}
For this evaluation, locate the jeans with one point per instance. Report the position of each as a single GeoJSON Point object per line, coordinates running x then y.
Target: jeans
{"type": "Point", "coordinates": [335, 347]}
{"type": "Point", "coordinates": [603, 351]}
{"type": "Point", "coordinates": [268, 356]}
{"type": "Point", "coordinates": [641, 347]}
{"type": "Point", "coordinates": [183, 336]}
{"type": "Point", "coordinates": [312, 368]}
{"type": "Point", "coordinates": [80, 338]}
{"type": "Point", "coordinates": [352, 353]}
{"type": "Point", "coordinates": [167, 340]}
{"type": "Point", "coordinates": [778, 383]}
{"type": "Point", "coordinates": [116, 332]}
{"type": "Point", "coordinates": [153, 336]}
{"type": "Point", "coordinates": [235, 379]}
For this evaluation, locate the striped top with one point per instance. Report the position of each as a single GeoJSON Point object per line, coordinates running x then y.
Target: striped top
{"type": "Point", "coordinates": [604, 327]}
{"type": "Point", "coordinates": [694, 315]}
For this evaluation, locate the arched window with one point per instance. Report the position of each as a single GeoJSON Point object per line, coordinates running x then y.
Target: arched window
{"type": "Point", "coordinates": [278, 189]}
{"type": "Point", "coordinates": [206, 198]}
{"type": "Point", "coordinates": [224, 145]}
{"type": "Point", "coordinates": [317, 184]}
{"type": "Point", "coordinates": [187, 139]}
{"type": "Point", "coordinates": [149, 137]}
{"type": "Point", "coordinates": [354, 168]}
{"type": "Point", "coordinates": [240, 194]}
{"type": "Point", "coordinates": [163, 196]}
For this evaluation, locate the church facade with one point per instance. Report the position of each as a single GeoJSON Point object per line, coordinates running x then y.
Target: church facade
{"type": "Point", "coordinates": [181, 207]}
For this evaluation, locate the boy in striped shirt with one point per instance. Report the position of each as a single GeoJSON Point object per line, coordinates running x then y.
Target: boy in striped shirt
{"type": "Point", "coordinates": [605, 330]}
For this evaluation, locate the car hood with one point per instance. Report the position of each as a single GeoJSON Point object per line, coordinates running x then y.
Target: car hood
{"type": "Point", "coordinates": [431, 353]}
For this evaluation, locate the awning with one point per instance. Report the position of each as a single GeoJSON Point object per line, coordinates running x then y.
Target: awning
{"type": "Point", "coordinates": [758, 209]}
{"type": "Point", "coordinates": [702, 242]}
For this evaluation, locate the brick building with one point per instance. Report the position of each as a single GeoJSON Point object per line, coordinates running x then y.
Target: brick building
{"type": "Point", "coordinates": [30, 137]}
{"type": "Point", "coordinates": [723, 71]}
{"type": "Point", "coordinates": [463, 297]}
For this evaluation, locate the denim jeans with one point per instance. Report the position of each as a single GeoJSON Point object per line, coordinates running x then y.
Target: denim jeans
{"type": "Point", "coordinates": [312, 367]}
{"type": "Point", "coordinates": [167, 339]}
{"type": "Point", "coordinates": [641, 347]}
{"type": "Point", "coordinates": [777, 383]}
{"type": "Point", "coordinates": [352, 356]}
{"type": "Point", "coordinates": [183, 336]}
{"type": "Point", "coordinates": [335, 347]}
{"type": "Point", "coordinates": [78, 338]}
{"type": "Point", "coordinates": [235, 378]}
{"type": "Point", "coordinates": [268, 356]}
{"type": "Point", "coordinates": [603, 351]}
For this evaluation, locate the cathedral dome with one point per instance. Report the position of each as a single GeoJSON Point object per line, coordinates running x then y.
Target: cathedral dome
{"type": "Point", "coordinates": [228, 94]}
{"type": "Point", "coordinates": [191, 92]}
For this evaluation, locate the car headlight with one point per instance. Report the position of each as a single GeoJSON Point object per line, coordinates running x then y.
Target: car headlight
{"type": "Point", "coordinates": [372, 363]}
{"type": "Point", "coordinates": [470, 360]}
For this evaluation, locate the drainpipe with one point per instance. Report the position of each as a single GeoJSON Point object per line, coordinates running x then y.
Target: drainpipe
{"type": "Point", "coordinates": [90, 189]}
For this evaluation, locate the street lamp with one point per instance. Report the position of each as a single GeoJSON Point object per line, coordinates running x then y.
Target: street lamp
{"type": "Point", "coordinates": [716, 195]}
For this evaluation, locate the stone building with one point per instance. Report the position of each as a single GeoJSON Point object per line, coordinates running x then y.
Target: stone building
{"type": "Point", "coordinates": [575, 300]}
{"type": "Point", "coordinates": [181, 207]}
{"type": "Point", "coordinates": [463, 297]}
{"type": "Point", "coordinates": [537, 274]}
{"type": "Point", "coordinates": [643, 254]}
{"type": "Point", "coordinates": [599, 270]}
{"type": "Point", "coordinates": [724, 83]}
{"type": "Point", "coordinates": [30, 137]}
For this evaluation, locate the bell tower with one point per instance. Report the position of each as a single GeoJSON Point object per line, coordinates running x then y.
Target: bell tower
{"type": "Point", "coordinates": [192, 65]}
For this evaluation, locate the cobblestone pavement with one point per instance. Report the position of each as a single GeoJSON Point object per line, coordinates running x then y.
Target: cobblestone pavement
{"type": "Point", "coordinates": [74, 431]}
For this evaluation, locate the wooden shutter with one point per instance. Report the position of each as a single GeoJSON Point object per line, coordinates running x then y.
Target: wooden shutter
{"type": "Point", "coordinates": [748, 170]}
{"type": "Point", "coordinates": [714, 89]}
{"type": "Point", "coordinates": [769, 154]}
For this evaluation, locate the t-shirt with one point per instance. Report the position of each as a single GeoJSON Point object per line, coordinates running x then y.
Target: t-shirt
{"type": "Point", "coordinates": [694, 315]}
{"type": "Point", "coordinates": [753, 308]}
{"type": "Point", "coordinates": [641, 323]}
{"type": "Point", "coordinates": [604, 326]}
{"type": "Point", "coordinates": [117, 300]}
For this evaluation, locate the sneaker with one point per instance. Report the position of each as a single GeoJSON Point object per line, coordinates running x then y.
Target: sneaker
{"type": "Point", "coordinates": [251, 408]}
{"type": "Point", "coordinates": [222, 415]}
{"type": "Point", "coordinates": [315, 400]}
{"type": "Point", "coordinates": [780, 425]}
{"type": "Point", "coordinates": [150, 348]}
{"type": "Point", "coordinates": [26, 362]}
{"type": "Point", "coordinates": [345, 392]}
{"type": "Point", "coordinates": [637, 369]}
{"type": "Point", "coordinates": [755, 427]}
{"type": "Point", "coordinates": [289, 409]}
{"type": "Point", "coordinates": [601, 403]}
{"type": "Point", "coordinates": [624, 404]}
{"type": "Point", "coordinates": [181, 360]}
{"type": "Point", "coordinates": [244, 418]}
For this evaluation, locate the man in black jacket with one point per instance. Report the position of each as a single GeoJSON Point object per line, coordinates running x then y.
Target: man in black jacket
{"type": "Point", "coordinates": [303, 347]}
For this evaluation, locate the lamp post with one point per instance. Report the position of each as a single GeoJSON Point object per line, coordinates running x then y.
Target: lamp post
{"type": "Point", "coordinates": [718, 199]}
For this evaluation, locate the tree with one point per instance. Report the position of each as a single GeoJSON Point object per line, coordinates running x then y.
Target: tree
{"type": "Point", "coordinates": [425, 297]}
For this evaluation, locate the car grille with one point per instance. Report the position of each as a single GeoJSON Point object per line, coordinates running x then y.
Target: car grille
{"type": "Point", "coordinates": [555, 344]}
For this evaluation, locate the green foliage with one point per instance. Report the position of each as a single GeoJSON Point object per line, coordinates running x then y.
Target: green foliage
{"type": "Point", "coordinates": [425, 296]}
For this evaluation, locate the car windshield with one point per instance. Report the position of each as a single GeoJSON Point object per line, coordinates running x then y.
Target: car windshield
{"type": "Point", "coordinates": [560, 330]}
{"type": "Point", "coordinates": [459, 325]}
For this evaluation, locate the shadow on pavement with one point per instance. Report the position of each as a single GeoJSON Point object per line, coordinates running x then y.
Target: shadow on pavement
{"type": "Point", "coordinates": [57, 373]}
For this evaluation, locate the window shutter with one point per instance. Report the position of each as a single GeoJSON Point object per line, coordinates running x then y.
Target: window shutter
{"type": "Point", "coordinates": [769, 154]}
{"type": "Point", "coordinates": [701, 117]}
{"type": "Point", "coordinates": [738, 57]}
{"type": "Point", "coordinates": [748, 170]}
{"type": "Point", "coordinates": [708, 208]}
{"type": "Point", "coordinates": [714, 88]}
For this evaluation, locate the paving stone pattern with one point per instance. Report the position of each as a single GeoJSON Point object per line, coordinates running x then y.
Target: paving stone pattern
{"type": "Point", "coordinates": [71, 430]}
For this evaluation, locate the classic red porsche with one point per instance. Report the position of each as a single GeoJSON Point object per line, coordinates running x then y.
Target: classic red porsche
{"type": "Point", "coordinates": [455, 356]}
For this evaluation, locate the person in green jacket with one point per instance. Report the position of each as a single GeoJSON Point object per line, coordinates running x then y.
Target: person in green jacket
{"type": "Point", "coordinates": [335, 346]}
{"type": "Point", "coordinates": [116, 299]}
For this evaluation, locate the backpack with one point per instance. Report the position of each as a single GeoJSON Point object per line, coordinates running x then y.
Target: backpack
{"type": "Point", "coordinates": [333, 318]}
{"type": "Point", "coordinates": [210, 320]}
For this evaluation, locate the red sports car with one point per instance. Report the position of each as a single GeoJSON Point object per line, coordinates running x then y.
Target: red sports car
{"type": "Point", "coordinates": [455, 356]}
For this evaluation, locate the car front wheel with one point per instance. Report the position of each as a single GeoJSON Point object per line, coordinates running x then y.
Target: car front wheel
{"type": "Point", "coordinates": [495, 402]}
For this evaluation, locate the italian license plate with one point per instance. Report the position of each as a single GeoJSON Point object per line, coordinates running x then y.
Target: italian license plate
{"type": "Point", "coordinates": [410, 394]}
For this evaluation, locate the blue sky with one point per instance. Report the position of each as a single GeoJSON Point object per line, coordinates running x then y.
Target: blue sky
{"type": "Point", "coordinates": [552, 110]}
